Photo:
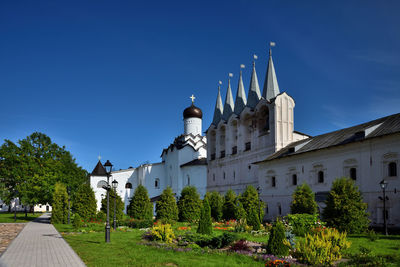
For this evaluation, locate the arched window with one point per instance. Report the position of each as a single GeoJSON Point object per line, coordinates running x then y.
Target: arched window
{"type": "Point", "coordinates": [353, 173]}
{"type": "Point", "coordinates": [188, 180]}
{"type": "Point", "coordinates": [224, 175]}
{"type": "Point", "coordinates": [320, 177]}
{"type": "Point", "coordinates": [157, 183]}
{"type": "Point", "coordinates": [279, 209]}
{"type": "Point", "coordinates": [273, 181]}
{"type": "Point", "coordinates": [392, 169]}
{"type": "Point", "coordinates": [128, 185]}
{"type": "Point", "coordinates": [294, 179]}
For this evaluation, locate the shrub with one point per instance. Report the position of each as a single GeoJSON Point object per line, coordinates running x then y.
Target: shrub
{"type": "Point", "coordinates": [199, 239]}
{"type": "Point", "coordinates": [372, 236]}
{"type": "Point", "coordinates": [250, 200]}
{"type": "Point", "coordinates": [189, 204]}
{"type": "Point", "coordinates": [241, 226]}
{"type": "Point", "coordinates": [229, 206]}
{"type": "Point", "coordinates": [253, 220]}
{"type": "Point", "coordinates": [120, 206]}
{"type": "Point", "coordinates": [303, 200]}
{"type": "Point", "coordinates": [240, 245]}
{"type": "Point", "coordinates": [223, 240]}
{"type": "Point", "coordinates": [276, 242]}
{"type": "Point", "coordinates": [85, 202]}
{"type": "Point", "coordinates": [59, 213]}
{"type": "Point", "coordinates": [302, 224]}
{"type": "Point", "coordinates": [134, 223]}
{"type": "Point", "coordinates": [322, 248]}
{"type": "Point", "coordinates": [345, 209]}
{"type": "Point", "coordinates": [166, 208]}
{"type": "Point", "coordinates": [101, 216]}
{"type": "Point", "coordinates": [140, 206]}
{"type": "Point", "coordinates": [163, 232]}
{"type": "Point", "coordinates": [205, 223]}
{"type": "Point", "coordinates": [216, 202]}
{"type": "Point", "coordinates": [366, 258]}
{"type": "Point", "coordinates": [77, 222]}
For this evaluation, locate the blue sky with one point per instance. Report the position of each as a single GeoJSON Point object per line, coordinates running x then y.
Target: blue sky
{"type": "Point", "coordinates": [113, 77]}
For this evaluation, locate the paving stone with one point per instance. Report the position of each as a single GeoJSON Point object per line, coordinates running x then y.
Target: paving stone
{"type": "Point", "coordinates": [8, 231]}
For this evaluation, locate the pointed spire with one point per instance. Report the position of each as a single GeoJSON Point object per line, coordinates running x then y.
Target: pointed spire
{"type": "Point", "coordinates": [254, 92]}
{"type": "Point", "coordinates": [240, 102]}
{"type": "Point", "coordinates": [229, 106]}
{"type": "Point", "coordinates": [271, 88]}
{"type": "Point", "coordinates": [218, 107]}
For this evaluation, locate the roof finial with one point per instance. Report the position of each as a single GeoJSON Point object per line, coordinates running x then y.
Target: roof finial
{"type": "Point", "coordinates": [193, 98]}
{"type": "Point", "coordinates": [255, 57]}
{"type": "Point", "coordinates": [271, 44]}
{"type": "Point", "coordinates": [242, 66]}
{"type": "Point", "coordinates": [99, 157]}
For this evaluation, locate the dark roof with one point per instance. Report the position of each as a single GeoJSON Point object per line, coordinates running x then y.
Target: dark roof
{"type": "Point", "coordinates": [99, 170]}
{"type": "Point", "coordinates": [202, 161]}
{"type": "Point", "coordinates": [376, 128]}
{"type": "Point", "coordinates": [192, 112]}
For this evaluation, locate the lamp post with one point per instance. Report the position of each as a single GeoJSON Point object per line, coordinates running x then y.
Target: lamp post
{"type": "Point", "coordinates": [383, 185]}
{"type": "Point", "coordinates": [69, 209]}
{"type": "Point", "coordinates": [108, 167]}
{"type": "Point", "coordinates": [114, 186]}
{"type": "Point", "coordinates": [259, 202]}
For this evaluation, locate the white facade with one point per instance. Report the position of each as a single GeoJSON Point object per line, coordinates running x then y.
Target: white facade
{"type": "Point", "coordinates": [16, 204]}
{"type": "Point", "coordinates": [183, 163]}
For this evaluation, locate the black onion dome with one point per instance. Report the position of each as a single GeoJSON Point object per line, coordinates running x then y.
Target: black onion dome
{"type": "Point", "coordinates": [192, 112]}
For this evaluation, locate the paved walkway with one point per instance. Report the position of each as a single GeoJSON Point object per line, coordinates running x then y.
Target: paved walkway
{"type": "Point", "coordinates": [39, 244]}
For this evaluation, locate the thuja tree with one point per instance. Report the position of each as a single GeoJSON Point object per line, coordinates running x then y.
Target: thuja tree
{"type": "Point", "coordinates": [276, 242]}
{"type": "Point", "coordinates": [229, 206]}
{"type": "Point", "coordinates": [216, 202]}
{"type": "Point", "coordinates": [189, 204]}
{"type": "Point", "coordinates": [59, 213]}
{"type": "Point", "coordinates": [303, 200]}
{"type": "Point", "coordinates": [345, 209]}
{"type": "Point", "coordinates": [166, 208]}
{"type": "Point", "coordinates": [85, 202]}
{"type": "Point", "coordinates": [205, 223]}
{"type": "Point", "coordinates": [119, 204]}
{"type": "Point", "coordinates": [251, 201]}
{"type": "Point", "coordinates": [140, 206]}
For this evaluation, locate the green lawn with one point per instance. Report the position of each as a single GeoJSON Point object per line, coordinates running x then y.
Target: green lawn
{"type": "Point", "coordinates": [6, 217]}
{"type": "Point", "coordinates": [385, 245]}
{"type": "Point", "coordinates": [124, 250]}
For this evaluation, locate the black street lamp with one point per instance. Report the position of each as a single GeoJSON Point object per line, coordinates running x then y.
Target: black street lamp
{"type": "Point", "coordinates": [259, 203]}
{"type": "Point", "coordinates": [108, 167]}
{"type": "Point", "coordinates": [383, 185]}
{"type": "Point", "coordinates": [114, 186]}
{"type": "Point", "coordinates": [69, 209]}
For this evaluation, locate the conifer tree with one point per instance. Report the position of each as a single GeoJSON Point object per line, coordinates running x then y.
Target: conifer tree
{"type": "Point", "coordinates": [59, 212]}
{"type": "Point", "coordinates": [205, 223]}
{"type": "Point", "coordinates": [216, 202]}
{"type": "Point", "coordinates": [303, 200]}
{"type": "Point", "coordinates": [189, 204]}
{"type": "Point", "coordinates": [120, 206]}
{"type": "Point", "coordinates": [252, 219]}
{"type": "Point", "coordinates": [166, 207]}
{"type": "Point", "coordinates": [229, 206]}
{"type": "Point", "coordinates": [345, 209]}
{"type": "Point", "coordinates": [85, 202]}
{"type": "Point", "coordinates": [140, 206]}
{"type": "Point", "coordinates": [276, 245]}
{"type": "Point", "coordinates": [251, 201]}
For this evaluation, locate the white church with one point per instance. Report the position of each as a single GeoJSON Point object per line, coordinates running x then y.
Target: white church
{"type": "Point", "coordinates": [252, 141]}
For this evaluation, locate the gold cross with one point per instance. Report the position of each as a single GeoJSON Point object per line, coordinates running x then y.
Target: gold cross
{"type": "Point", "coordinates": [193, 98]}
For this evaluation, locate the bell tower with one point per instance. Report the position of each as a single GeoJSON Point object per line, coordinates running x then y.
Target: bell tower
{"type": "Point", "coordinates": [192, 119]}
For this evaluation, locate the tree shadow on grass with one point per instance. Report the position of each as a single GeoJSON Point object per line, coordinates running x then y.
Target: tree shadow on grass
{"type": "Point", "coordinates": [381, 237]}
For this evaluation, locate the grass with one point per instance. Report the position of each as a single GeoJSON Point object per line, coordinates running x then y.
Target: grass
{"type": "Point", "coordinates": [7, 217]}
{"type": "Point", "coordinates": [124, 250]}
{"type": "Point", "coordinates": [385, 245]}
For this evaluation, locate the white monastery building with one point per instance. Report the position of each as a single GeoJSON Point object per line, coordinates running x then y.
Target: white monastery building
{"type": "Point", "coordinates": [183, 163]}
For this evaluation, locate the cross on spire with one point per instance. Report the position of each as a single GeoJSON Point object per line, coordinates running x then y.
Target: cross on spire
{"type": "Point", "coordinates": [99, 157]}
{"type": "Point", "coordinates": [193, 98]}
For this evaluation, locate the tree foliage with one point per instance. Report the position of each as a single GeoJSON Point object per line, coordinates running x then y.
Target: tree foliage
{"type": "Point", "coordinates": [140, 206]}
{"type": "Point", "coordinates": [30, 169]}
{"type": "Point", "coordinates": [229, 206]}
{"type": "Point", "coordinates": [59, 213]}
{"type": "Point", "coordinates": [205, 222]}
{"type": "Point", "coordinates": [251, 201]}
{"type": "Point", "coordinates": [276, 242]}
{"type": "Point", "coordinates": [189, 204]}
{"type": "Point", "coordinates": [119, 205]}
{"type": "Point", "coordinates": [345, 209]}
{"type": "Point", "coordinates": [85, 202]}
{"type": "Point", "coordinates": [216, 202]}
{"type": "Point", "coordinates": [303, 200]}
{"type": "Point", "coordinates": [166, 207]}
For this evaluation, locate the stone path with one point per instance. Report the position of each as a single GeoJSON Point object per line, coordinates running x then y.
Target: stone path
{"type": "Point", "coordinates": [8, 231]}
{"type": "Point", "coordinates": [39, 244]}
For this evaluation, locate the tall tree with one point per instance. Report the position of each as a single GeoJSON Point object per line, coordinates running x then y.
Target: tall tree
{"type": "Point", "coordinates": [85, 202]}
{"type": "Point", "coordinates": [303, 200]}
{"type": "Point", "coordinates": [189, 204]}
{"type": "Point", "coordinates": [229, 206]}
{"type": "Point", "coordinates": [205, 222]}
{"type": "Point", "coordinates": [59, 213]}
{"type": "Point", "coordinates": [252, 202]}
{"type": "Point", "coordinates": [166, 207]}
{"type": "Point", "coordinates": [216, 202]}
{"type": "Point", "coordinates": [140, 206]}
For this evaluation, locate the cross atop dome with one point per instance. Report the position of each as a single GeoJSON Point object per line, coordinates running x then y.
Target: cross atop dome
{"type": "Point", "coordinates": [193, 98]}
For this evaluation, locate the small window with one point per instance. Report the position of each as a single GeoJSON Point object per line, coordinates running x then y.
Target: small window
{"type": "Point", "coordinates": [157, 183]}
{"type": "Point", "coordinates": [224, 175]}
{"type": "Point", "coordinates": [234, 175]}
{"type": "Point", "coordinates": [353, 173]}
{"type": "Point", "coordinates": [213, 156]}
{"type": "Point", "coordinates": [320, 177]}
{"type": "Point", "coordinates": [128, 185]}
{"type": "Point", "coordinates": [392, 169]}
{"type": "Point", "coordinates": [222, 154]}
{"type": "Point", "coordinates": [234, 150]}
{"type": "Point", "coordinates": [247, 146]}
{"type": "Point", "coordinates": [214, 177]}
{"type": "Point", "coordinates": [294, 179]}
{"type": "Point", "coordinates": [266, 208]}
{"type": "Point", "coordinates": [188, 180]}
{"type": "Point", "coordinates": [279, 209]}
{"type": "Point", "coordinates": [273, 181]}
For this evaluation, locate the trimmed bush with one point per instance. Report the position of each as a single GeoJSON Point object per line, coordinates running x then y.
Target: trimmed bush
{"type": "Point", "coordinates": [140, 206]}
{"type": "Point", "coordinates": [224, 240]}
{"type": "Point", "coordinates": [252, 219]}
{"type": "Point", "coordinates": [120, 207]}
{"type": "Point", "coordinates": [251, 200]}
{"type": "Point", "coordinates": [163, 232]}
{"type": "Point", "coordinates": [216, 202]}
{"type": "Point", "coordinates": [303, 200]}
{"type": "Point", "coordinates": [229, 206]}
{"type": "Point", "coordinates": [322, 248]}
{"type": "Point", "coordinates": [59, 213]}
{"type": "Point", "coordinates": [276, 242]}
{"type": "Point", "coordinates": [77, 222]}
{"type": "Point", "coordinates": [345, 209]}
{"type": "Point", "coordinates": [205, 223]}
{"type": "Point", "coordinates": [303, 224]}
{"type": "Point", "coordinates": [85, 202]}
{"type": "Point", "coordinates": [189, 205]}
{"type": "Point", "coordinates": [166, 208]}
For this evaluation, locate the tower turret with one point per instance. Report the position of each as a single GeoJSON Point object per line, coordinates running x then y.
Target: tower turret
{"type": "Point", "coordinates": [271, 88]}
{"type": "Point", "coordinates": [192, 119]}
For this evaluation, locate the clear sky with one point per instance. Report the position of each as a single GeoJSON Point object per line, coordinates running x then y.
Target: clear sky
{"type": "Point", "coordinates": [113, 77]}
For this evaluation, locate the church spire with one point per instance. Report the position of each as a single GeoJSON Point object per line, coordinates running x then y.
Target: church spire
{"type": "Point", "coordinates": [271, 88]}
{"type": "Point", "coordinates": [241, 100]}
{"type": "Point", "coordinates": [229, 106]}
{"type": "Point", "coordinates": [218, 107]}
{"type": "Point", "coordinates": [254, 92]}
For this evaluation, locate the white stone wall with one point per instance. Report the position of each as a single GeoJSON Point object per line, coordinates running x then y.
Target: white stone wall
{"type": "Point", "coordinates": [370, 158]}
{"type": "Point", "coordinates": [192, 126]}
